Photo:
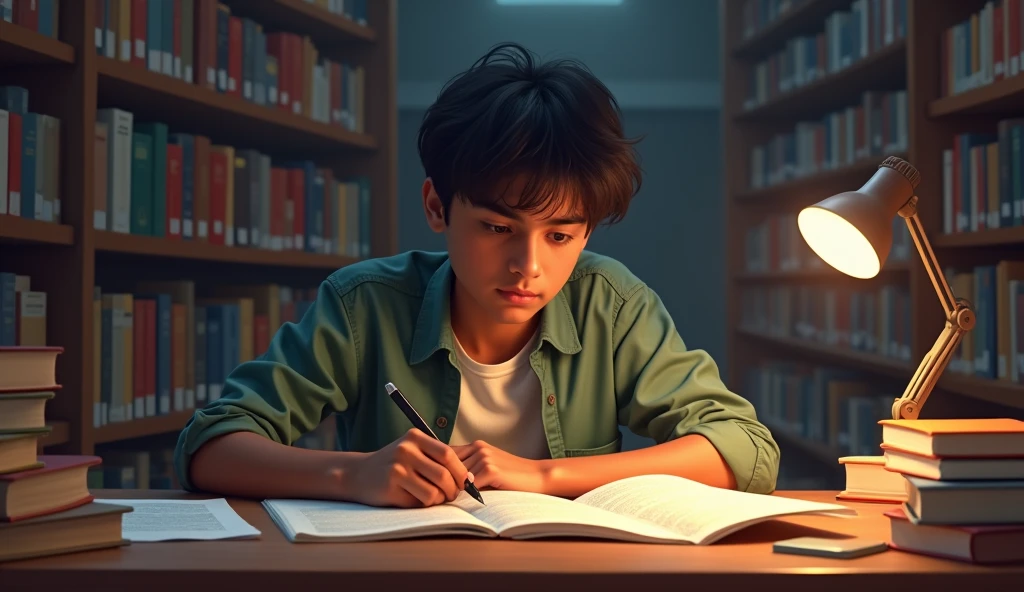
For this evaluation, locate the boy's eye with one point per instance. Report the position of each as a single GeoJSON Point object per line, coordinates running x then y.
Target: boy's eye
{"type": "Point", "coordinates": [495, 228]}
{"type": "Point", "coordinates": [560, 237]}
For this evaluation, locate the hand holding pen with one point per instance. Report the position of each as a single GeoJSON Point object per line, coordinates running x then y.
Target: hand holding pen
{"type": "Point", "coordinates": [417, 422]}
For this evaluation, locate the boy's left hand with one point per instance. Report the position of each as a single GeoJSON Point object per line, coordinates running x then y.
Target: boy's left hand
{"type": "Point", "coordinates": [496, 469]}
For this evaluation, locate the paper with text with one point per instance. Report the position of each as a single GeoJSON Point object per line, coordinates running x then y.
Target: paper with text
{"type": "Point", "coordinates": [181, 520]}
{"type": "Point", "coordinates": [698, 512]}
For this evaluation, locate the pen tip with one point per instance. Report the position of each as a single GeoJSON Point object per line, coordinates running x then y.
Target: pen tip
{"type": "Point", "coordinates": [390, 388]}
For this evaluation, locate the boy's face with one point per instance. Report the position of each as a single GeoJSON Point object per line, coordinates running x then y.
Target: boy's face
{"type": "Point", "coordinates": [508, 262]}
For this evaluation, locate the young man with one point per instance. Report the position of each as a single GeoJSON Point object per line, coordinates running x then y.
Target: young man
{"type": "Point", "coordinates": [523, 352]}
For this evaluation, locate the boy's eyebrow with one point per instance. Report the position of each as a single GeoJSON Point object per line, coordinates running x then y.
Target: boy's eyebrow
{"type": "Point", "coordinates": [503, 210]}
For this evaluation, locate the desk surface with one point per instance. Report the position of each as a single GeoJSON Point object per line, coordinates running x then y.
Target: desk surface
{"type": "Point", "coordinates": [742, 561]}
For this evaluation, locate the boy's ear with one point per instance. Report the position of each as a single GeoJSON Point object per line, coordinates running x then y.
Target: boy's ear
{"type": "Point", "coordinates": [432, 207]}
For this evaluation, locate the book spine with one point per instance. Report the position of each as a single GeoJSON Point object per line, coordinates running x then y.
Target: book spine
{"type": "Point", "coordinates": [174, 189]}
{"type": "Point", "coordinates": [142, 165]}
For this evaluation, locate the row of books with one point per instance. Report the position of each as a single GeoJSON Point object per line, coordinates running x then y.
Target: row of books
{"type": "Point", "coordinates": [874, 321]}
{"type": "Point", "coordinates": [203, 42]}
{"type": "Point", "coordinates": [995, 347]}
{"type": "Point", "coordinates": [354, 10]}
{"type": "Point", "coordinates": [872, 128]}
{"type": "Point", "coordinates": [981, 180]}
{"type": "Point", "coordinates": [152, 181]}
{"type": "Point", "coordinates": [135, 469]}
{"type": "Point", "coordinates": [166, 347]}
{"type": "Point", "coordinates": [834, 407]}
{"type": "Point", "coordinates": [776, 245]}
{"type": "Point", "coordinates": [957, 482]}
{"type": "Point", "coordinates": [847, 37]}
{"type": "Point", "coordinates": [30, 147]}
{"type": "Point", "coordinates": [983, 48]}
{"type": "Point", "coordinates": [22, 311]}
{"type": "Point", "coordinates": [41, 16]}
{"type": "Point", "coordinates": [46, 506]}
{"type": "Point", "coordinates": [760, 14]}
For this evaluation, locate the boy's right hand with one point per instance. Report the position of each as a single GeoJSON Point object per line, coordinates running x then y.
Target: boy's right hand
{"type": "Point", "coordinates": [413, 471]}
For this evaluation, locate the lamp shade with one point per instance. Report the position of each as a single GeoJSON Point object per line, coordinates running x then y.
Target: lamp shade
{"type": "Point", "coordinates": [852, 231]}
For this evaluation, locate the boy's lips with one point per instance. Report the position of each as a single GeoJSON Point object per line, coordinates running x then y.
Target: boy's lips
{"type": "Point", "coordinates": [517, 296]}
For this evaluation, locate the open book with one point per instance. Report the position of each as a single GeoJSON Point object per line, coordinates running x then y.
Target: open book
{"type": "Point", "coordinates": [650, 508]}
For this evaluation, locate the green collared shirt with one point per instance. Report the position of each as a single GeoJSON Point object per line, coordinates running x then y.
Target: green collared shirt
{"type": "Point", "coordinates": [608, 355]}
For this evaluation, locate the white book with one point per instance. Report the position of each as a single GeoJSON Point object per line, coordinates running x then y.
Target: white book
{"type": "Point", "coordinates": [119, 168]}
{"type": "Point", "coordinates": [5, 120]}
{"type": "Point", "coordinates": [649, 509]}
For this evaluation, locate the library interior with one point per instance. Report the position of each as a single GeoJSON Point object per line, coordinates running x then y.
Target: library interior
{"type": "Point", "coordinates": [804, 342]}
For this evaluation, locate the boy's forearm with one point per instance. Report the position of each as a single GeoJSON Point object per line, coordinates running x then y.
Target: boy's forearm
{"type": "Point", "coordinates": [692, 457]}
{"type": "Point", "coordinates": [246, 464]}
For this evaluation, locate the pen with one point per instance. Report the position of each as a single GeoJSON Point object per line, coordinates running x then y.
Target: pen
{"type": "Point", "coordinates": [399, 399]}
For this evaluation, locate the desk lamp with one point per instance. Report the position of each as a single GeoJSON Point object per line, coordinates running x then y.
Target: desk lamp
{"type": "Point", "coordinates": [852, 232]}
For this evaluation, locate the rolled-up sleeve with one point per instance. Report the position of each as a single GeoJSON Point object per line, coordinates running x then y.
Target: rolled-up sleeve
{"type": "Point", "coordinates": [667, 391]}
{"type": "Point", "coordinates": [307, 373]}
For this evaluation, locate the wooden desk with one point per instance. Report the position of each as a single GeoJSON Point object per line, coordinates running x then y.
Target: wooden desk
{"type": "Point", "coordinates": [743, 561]}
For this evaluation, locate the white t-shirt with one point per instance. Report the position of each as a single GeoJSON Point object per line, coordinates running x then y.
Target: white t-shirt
{"type": "Point", "coordinates": [501, 405]}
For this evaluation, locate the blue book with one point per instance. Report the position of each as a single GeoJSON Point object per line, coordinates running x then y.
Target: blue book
{"type": "Point", "coordinates": [14, 99]}
{"type": "Point", "coordinates": [167, 42]}
{"type": "Point", "coordinates": [188, 151]}
{"type": "Point", "coordinates": [8, 310]}
{"type": "Point", "coordinates": [214, 351]}
{"type": "Point", "coordinates": [29, 145]}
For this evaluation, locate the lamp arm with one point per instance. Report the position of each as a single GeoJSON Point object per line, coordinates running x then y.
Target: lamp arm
{"type": "Point", "coordinates": [931, 264]}
{"type": "Point", "coordinates": [959, 320]}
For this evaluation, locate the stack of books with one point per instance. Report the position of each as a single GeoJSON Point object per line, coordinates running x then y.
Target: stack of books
{"type": "Point", "coordinates": [45, 504]}
{"type": "Point", "coordinates": [964, 483]}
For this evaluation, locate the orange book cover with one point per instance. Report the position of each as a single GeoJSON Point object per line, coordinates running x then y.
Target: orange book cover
{"type": "Point", "coordinates": [932, 427]}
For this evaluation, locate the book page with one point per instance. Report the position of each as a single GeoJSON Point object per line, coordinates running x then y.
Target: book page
{"type": "Point", "coordinates": [322, 520]}
{"type": "Point", "coordinates": [181, 520]}
{"type": "Point", "coordinates": [698, 512]}
{"type": "Point", "coordinates": [519, 514]}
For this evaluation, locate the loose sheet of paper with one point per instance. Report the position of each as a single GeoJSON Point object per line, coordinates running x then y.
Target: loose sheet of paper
{"type": "Point", "coordinates": [181, 520]}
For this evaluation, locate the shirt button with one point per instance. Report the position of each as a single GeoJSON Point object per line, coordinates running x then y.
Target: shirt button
{"type": "Point", "coordinates": [442, 422]}
{"type": "Point", "coordinates": [551, 399]}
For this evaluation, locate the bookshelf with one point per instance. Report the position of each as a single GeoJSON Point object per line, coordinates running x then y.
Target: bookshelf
{"type": "Point", "coordinates": [804, 343]}
{"type": "Point", "coordinates": [70, 78]}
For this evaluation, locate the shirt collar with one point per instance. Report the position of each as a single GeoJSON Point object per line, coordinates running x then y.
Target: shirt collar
{"type": "Point", "coordinates": [434, 324]}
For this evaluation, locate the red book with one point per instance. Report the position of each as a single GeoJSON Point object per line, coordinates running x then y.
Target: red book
{"type": "Point", "coordinates": [993, 544]}
{"type": "Point", "coordinates": [218, 195]}
{"type": "Point", "coordinates": [297, 65]}
{"type": "Point", "coordinates": [1013, 14]}
{"type": "Point", "coordinates": [149, 353]}
{"type": "Point", "coordinates": [62, 477]}
{"type": "Point", "coordinates": [26, 14]}
{"type": "Point", "coordinates": [13, 188]}
{"type": "Point", "coordinates": [235, 56]}
{"type": "Point", "coordinates": [174, 184]}
{"type": "Point", "coordinates": [138, 355]}
{"type": "Point", "coordinates": [138, 50]}
{"type": "Point", "coordinates": [205, 40]}
{"type": "Point", "coordinates": [261, 334]}
{"type": "Point", "coordinates": [297, 192]}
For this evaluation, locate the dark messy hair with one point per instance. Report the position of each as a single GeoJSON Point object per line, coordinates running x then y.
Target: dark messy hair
{"type": "Point", "coordinates": [553, 123]}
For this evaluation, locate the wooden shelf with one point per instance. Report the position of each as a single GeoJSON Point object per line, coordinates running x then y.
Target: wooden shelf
{"type": "Point", "coordinates": [817, 450]}
{"type": "Point", "coordinates": [825, 273]}
{"type": "Point", "coordinates": [1013, 235]}
{"type": "Point", "coordinates": [806, 18]}
{"type": "Point", "coordinates": [227, 119]}
{"type": "Point", "coordinates": [21, 45]}
{"type": "Point", "coordinates": [59, 434]}
{"type": "Point", "coordinates": [883, 70]}
{"type": "Point", "coordinates": [140, 428]}
{"type": "Point", "coordinates": [1004, 97]}
{"type": "Point", "coordinates": [838, 355]}
{"type": "Point", "coordinates": [993, 391]}
{"type": "Point", "coordinates": [816, 187]}
{"type": "Point", "coordinates": [151, 246]}
{"type": "Point", "coordinates": [15, 229]}
{"type": "Point", "coordinates": [323, 27]}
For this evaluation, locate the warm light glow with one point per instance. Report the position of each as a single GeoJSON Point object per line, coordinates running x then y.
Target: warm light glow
{"type": "Point", "coordinates": [838, 243]}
